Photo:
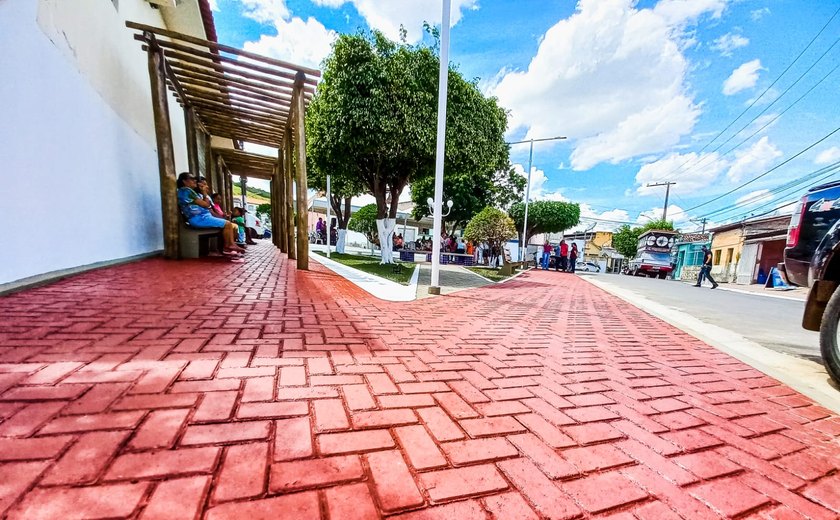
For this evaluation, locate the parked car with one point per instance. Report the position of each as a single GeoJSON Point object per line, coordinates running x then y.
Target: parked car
{"type": "Point", "coordinates": [650, 264]}
{"type": "Point", "coordinates": [588, 267]}
{"type": "Point", "coordinates": [812, 259]}
{"type": "Point", "coordinates": [252, 220]}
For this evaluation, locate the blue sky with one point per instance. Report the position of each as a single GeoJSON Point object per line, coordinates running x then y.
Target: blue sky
{"type": "Point", "coordinates": [640, 89]}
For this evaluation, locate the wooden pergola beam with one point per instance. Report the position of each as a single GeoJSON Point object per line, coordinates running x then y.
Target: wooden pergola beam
{"type": "Point", "coordinates": [223, 48]}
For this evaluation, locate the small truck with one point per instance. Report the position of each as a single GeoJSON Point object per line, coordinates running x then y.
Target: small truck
{"type": "Point", "coordinates": [653, 255]}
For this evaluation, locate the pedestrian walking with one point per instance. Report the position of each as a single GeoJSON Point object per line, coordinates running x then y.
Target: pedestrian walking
{"type": "Point", "coordinates": [573, 254]}
{"type": "Point", "coordinates": [706, 269]}
{"type": "Point", "coordinates": [546, 255]}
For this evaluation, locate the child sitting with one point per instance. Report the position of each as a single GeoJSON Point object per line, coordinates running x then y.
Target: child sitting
{"type": "Point", "coordinates": [238, 218]}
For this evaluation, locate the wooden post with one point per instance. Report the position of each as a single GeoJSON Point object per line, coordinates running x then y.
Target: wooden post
{"type": "Point", "coordinates": [220, 180]}
{"type": "Point", "coordinates": [290, 210]}
{"type": "Point", "coordinates": [208, 162]}
{"type": "Point", "coordinates": [300, 177]}
{"type": "Point", "coordinates": [279, 205]}
{"type": "Point", "coordinates": [166, 152]}
{"type": "Point", "coordinates": [192, 141]}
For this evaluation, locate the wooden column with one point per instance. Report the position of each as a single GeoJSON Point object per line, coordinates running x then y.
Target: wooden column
{"type": "Point", "coordinates": [208, 162]}
{"type": "Point", "coordinates": [278, 205]}
{"type": "Point", "coordinates": [166, 151]}
{"type": "Point", "coordinates": [220, 181]}
{"type": "Point", "coordinates": [290, 210]}
{"type": "Point", "coordinates": [192, 144]}
{"type": "Point", "coordinates": [300, 175]}
{"type": "Point", "coordinates": [283, 229]}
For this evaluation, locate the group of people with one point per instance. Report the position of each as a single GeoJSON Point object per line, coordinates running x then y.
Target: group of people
{"type": "Point", "coordinates": [565, 257]}
{"type": "Point", "coordinates": [321, 231]}
{"type": "Point", "coordinates": [203, 210]}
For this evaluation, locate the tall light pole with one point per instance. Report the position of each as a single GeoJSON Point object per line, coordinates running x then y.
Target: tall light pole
{"type": "Point", "coordinates": [523, 246]}
{"type": "Point", "coordinates": [329, 215]}
{"type": "Point", "coordinates": [667, 194]}
{"type": "Point", "coordinates": [443, 83]}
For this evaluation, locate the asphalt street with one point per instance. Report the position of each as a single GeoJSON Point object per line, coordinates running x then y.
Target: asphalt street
{"type": "Point", "coordinates": [772, 322]}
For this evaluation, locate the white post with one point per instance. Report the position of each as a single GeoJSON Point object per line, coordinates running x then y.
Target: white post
{"type": "Point", "coordinates": [329, 217]}
{"type": "Point", "coordinates": [443, 82]}
{"type": "Point", "coordinates": [527, 196]}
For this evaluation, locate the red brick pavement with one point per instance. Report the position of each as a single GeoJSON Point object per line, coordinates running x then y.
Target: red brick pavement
{"type": "Point", "coordinates": [206, 389]}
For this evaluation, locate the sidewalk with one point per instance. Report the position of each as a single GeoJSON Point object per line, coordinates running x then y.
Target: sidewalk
{"type": "Point", "coordinates": [208, 389]}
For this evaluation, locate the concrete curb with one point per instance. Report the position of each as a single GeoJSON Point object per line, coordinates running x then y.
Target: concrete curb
{"type": "Point", "coordinates": [804, 376]}
{"type": "Point", "coordinates": [376, 286]}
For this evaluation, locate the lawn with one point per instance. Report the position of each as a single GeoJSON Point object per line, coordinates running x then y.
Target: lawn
{"type": "Point", "coordinates": [371, 265]}
{"type": "Point", "coordinates": [490, 274]}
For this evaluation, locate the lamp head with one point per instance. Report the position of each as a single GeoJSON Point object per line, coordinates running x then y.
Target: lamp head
{"type": "Point", "coordinates": [430, 201]}
{"type": "Point", "coordinates": [449, 203]}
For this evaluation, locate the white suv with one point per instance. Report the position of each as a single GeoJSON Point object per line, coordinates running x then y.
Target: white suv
{"type": "Point", "coordinates": [252, 220]}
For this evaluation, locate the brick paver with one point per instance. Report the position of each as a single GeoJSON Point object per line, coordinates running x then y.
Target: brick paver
{"type": "Point", "coordinates": [214, 390]}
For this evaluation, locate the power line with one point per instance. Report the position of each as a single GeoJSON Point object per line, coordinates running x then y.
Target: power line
{"type": "Point", "coordinates": [733, 190]}
{"type": "Point", "coordinates": [801, 53]}
{"type": "Point", "coordinates": [822, 173]}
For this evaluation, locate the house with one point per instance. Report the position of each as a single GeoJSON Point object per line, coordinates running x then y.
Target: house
{"type": "Point", "coordinates": [744, 252]}
{"type": "Point", "coordinates": [688, 254]}
{"type": "Point", "coordinates": [99, 114]}
{"type": "Point", "coordinates": [77, 124]}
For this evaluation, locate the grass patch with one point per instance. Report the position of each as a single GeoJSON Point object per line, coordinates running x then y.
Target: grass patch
{"type": "Point", "coordinates": [371, 265]}
{"type": "Point", "coordinates": [490, 274]}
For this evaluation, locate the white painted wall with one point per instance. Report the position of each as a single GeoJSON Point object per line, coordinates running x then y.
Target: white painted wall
{"type": "Point", "coordinates": [77, 135]}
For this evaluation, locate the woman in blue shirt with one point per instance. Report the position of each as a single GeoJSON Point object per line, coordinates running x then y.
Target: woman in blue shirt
{"type": "Point", "coordinates": [196, 210]}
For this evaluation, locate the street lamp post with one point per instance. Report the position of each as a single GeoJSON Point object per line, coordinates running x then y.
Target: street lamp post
{"type": "Point", "coordinates": [443, 80]}
{"type": "Point", "coordinates": [329, 216]}
{"type": "Point", "coordinates": [524, 246]}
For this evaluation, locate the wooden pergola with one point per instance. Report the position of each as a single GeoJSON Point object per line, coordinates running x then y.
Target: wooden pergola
{"type": "Point", "coordinates": [238, 95]}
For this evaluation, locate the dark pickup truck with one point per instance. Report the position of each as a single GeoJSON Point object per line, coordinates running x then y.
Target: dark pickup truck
{"type": "Point", "coordinates": [812, 259]}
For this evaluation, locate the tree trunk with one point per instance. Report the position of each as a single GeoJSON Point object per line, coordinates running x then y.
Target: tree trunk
{"type": "Point", "coordinates": [341, 243]}
{"type": "Point", "coordinates": [385, 228]}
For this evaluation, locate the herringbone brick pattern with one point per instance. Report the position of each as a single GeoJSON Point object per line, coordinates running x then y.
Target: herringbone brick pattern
{"type": "Point", "coordinates": [202, 389]}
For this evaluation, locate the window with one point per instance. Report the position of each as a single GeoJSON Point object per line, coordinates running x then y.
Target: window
{"type": "Point", "coordinates": [717, 257]}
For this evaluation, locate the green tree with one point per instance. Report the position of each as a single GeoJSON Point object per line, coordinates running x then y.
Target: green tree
{"type": "Point", "coordinates": [469, 193]}
{"type": "Point", "coordinates": [491, 225]}
{"type": "Point", "coordinates": [364, 221]}
{"type": "Point", "coordinates": [264, 209]}
{"type": "Point", "coordinates": [373, 118]}
{"type": "Point", "coordinates": [626, 239]}
{"type": "Point", "coordinates": [545, 216]}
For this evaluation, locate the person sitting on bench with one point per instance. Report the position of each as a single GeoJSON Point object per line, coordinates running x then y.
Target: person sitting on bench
{"type": "Point", "coordinates": [196, 211]}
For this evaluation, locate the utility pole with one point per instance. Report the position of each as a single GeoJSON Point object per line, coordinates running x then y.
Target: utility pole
{"type": "Point", "coordinates": [667, 193]}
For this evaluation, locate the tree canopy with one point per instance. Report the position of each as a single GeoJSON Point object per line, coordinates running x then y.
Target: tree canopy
{"type": "Point", "coordinates": [626, 239]}
{"type": "Point", "coordinates": [373, 119]}
{"type": "Point", "coordinates": [470, 193]}
{"type": "Point", "coordinates": [364, 221]}
{"type": "Point", "coordinates": [545, 216]}
{"type": "Point", "coordinates": [491, 225]}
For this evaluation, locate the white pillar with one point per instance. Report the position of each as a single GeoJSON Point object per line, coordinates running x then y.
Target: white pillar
{"type": "Point", "coordinates": [443, 83]}
{"type": "Point", "coordinates": [329, 217]}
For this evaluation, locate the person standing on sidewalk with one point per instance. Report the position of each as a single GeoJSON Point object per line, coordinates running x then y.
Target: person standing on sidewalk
{"type": "Point", "coordinates": [706, 269]}
{"type": "Point", "coordinates": [573, 254]}
{"type": "Point", "coordinates": [564, 251]}
{"type": "Point", "coordinates": [546, 255]}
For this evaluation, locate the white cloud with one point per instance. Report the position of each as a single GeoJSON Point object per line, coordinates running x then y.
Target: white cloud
{"type": "Point", "coordinates": [756, 159]}
{"type": "Point", "coordinates": [742, 78]}
{"type": "Point", "coordinates": [214, 5]}
{"type": "Point", "coordinates": [265, 11]}
{"type": "Point", "coordinates": [676, 214]}
{"type": "Point", "coordinates": [729, 42]}
{"type": "Point", "coordinates": [388, 15]}
{"type": "Point", "coordinates": [754, 197]}
{"type": "Point", "coordinates": [301, 42]}
{"type": "Point", "coordinates": [828, 156]}
{"type": "Point", "coordinates": [611, 75]}
{"type": "Point", "coordinates": [538, 188]}
{"type": "Point", "coordinates": [757, 14]}
{"type": "Point", "coordinates": [692, 173]}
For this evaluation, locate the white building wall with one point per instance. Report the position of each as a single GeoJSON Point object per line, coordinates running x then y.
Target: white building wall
{"type": "Point", "coordinates": [78, 158]}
